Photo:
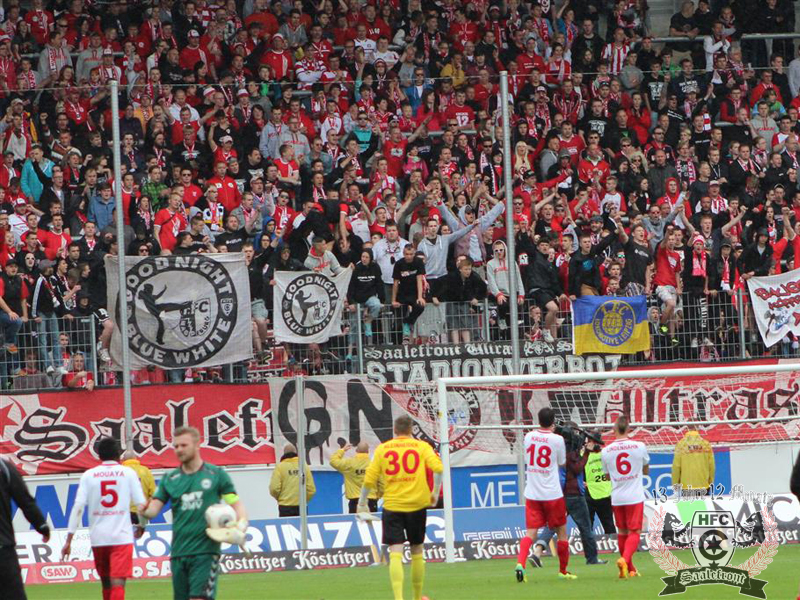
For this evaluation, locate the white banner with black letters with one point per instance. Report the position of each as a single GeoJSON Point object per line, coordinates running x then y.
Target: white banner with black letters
{"type": "Point", "coordinates": [308, 306]}
{"type": "Point", "coordinates": [183, 311]}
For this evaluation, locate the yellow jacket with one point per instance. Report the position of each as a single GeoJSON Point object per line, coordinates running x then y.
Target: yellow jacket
{"type": "Point", "coordinates": [353, 470]}
{"type": "Point", "coordinates": [693, 464]}
{"type": "Point", "coordinates": [458, 76]}
{"type": "Point", "coordinates": [145, 478]}
{"type": "Point", "coordinates": [285, 483]}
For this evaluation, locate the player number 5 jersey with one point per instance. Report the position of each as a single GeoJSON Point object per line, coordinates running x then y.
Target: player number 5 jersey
{"type": "Point", "coordinates": [624, 461]}
{"type": "Point", "coordinates": [107, 491]}
{"type": "Point", "coordinates": [545, 452]}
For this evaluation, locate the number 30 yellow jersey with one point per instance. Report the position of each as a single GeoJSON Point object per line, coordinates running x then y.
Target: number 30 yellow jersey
{"type": "Point", "coordinates": [401, 462]}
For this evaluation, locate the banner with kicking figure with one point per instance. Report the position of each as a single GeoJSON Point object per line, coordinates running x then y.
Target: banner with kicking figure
{"type": "Point", "coordinates": [183, 311]}
{"type": "Point", "coordinates": [308, 306]}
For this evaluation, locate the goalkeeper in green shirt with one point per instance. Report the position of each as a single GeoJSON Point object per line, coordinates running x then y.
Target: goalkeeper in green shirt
{"type": "Point", "coordinates": [192, 488]}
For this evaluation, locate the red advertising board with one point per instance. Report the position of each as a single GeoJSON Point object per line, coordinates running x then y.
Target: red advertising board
{"type": "Point", "coordinates": [84, 570]}
{"type": "Point", "coordinates": [55, 432]}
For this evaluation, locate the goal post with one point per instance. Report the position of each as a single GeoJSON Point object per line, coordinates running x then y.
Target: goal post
{"type": "Point", "coordinates": [724, 402]}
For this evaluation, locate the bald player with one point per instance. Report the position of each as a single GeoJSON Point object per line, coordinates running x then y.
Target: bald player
{"type": "Point", "coordinates": [627, 462]}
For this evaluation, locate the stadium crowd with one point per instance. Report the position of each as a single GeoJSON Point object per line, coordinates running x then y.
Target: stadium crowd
{"type": "Point", "coordinates": [335, 134]}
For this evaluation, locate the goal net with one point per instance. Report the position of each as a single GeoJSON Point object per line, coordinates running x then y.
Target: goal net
{"type": "Point", "coordinates": [483, 419]}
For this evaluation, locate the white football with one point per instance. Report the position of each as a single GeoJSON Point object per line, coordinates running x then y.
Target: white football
{"type": "Point", "coordinates": [219, 516]}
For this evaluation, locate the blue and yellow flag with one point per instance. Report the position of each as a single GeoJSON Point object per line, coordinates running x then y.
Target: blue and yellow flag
{"type": "Point", "coordinates": [610, 325]}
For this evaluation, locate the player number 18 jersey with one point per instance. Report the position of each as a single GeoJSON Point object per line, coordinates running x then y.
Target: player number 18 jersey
{"type": "Point", "coordinates": [545, 452]}
{"type": "Point", "coordinates": [624, 461]}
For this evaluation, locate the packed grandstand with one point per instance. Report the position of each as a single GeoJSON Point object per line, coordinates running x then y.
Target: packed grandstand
{"type": "Point", "coordinates": [323, 136]}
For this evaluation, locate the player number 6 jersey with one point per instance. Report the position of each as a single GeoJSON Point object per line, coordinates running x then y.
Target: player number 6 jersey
{"type": "Point", "coordinates": [545, 452]}
{"type": "Point", "coordinates": [624, 461]}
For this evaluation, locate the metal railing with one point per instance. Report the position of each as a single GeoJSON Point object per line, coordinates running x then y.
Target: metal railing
{"type": "Point", "coordinates": [705, 328]}
{"type": "Point", "coordinates": [745, 37]}
{"type": "Point", "coordinates": [43, 354]}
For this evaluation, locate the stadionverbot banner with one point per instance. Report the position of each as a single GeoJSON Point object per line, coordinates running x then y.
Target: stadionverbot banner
{"type": "Point", "coordinates": [420, 364]}
{"type": "Point", "coordinates": [183, 311]}
{"type": "Point", "coordinates": [308, 306]}
{"type": "Point", "coordinates": [54, 432]}
{"type": "Point", "coordinates": [776, 305]}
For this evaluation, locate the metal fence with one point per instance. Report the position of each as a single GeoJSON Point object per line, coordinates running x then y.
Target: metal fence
{"type": "Point", "coordinates": [704, 328]}
{"type": "Point", "coordinates": [48, 352]}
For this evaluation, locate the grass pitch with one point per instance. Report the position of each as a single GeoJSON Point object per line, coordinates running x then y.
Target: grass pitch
{"type": "Point", "coordinates": [475, 580]}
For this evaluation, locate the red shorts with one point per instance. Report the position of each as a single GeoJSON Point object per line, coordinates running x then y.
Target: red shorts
{"type": "Point", "coordinates": [114, 561]}
{"type": "Point", "coordinates": [552, 513]}
{"type": "Point", "coordinates": [629, 516]}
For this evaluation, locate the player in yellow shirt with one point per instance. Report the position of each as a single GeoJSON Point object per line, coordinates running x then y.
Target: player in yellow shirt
{"type": "Point", "coordinates": [353, 469]}
{"type": "Point", "coordinates": [401, 464]}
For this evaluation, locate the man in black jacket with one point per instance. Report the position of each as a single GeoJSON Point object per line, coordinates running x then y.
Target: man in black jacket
{"type": "Point", "coordinates": [756, 259]}
{"type": "Point", "coordinates": [367, 289]}
{"type": "Point", "coordinates": [463, 290]}
{"type": "Point", "coordinates": [584, 266]}
{"type": "Point", "coordinates": [46, 306]}
{"type": "Point", "coordinates": [12, 487]}
{"type": "Point", "coordinates": [544, 287]}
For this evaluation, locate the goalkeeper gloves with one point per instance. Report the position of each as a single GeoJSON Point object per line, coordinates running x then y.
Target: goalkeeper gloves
{"type": "Point", "coordinates": [234, 533]}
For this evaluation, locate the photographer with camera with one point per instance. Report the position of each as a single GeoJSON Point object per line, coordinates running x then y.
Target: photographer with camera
{"type": "Point", "coordinates": [577, 442]}
{"type": "Point", "coordinates": [598, 488]}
